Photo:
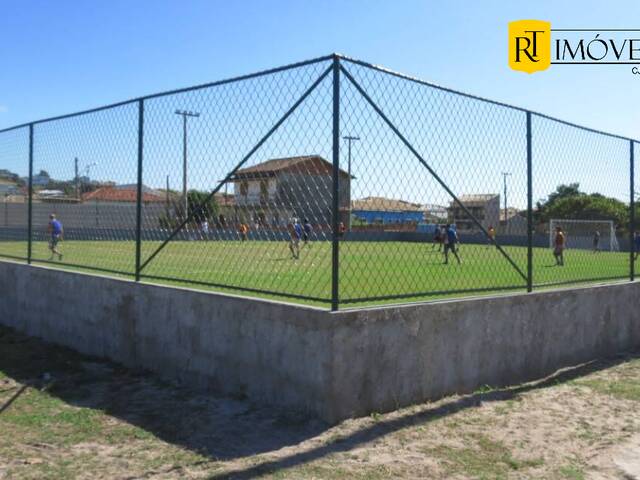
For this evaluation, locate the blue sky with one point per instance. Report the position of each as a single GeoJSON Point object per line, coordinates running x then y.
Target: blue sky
{"type": "Point", "coordinates": [64, 56]}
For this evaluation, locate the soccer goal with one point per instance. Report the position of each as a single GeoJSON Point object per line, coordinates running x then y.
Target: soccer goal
{"type": "Point", "coordinates": [581, 233]}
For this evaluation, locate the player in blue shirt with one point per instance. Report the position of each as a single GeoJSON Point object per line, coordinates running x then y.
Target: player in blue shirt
{"type": "Point", "coordinates": [307, 231]}
{"type": "Point", "coordinates": [438, 238]}
{"type": "Point", "coordinates": [298, 228]}
{"type": "Point", "coordinates": [56, 231]}
{"type": "Point", "coordinates": [295, 233]}
{"type": "Point", "coordinates": [450, 244]}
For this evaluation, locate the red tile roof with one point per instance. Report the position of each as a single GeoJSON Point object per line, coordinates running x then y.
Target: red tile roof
{"type": "Point", "coordinates": [306, 164]}
{"type": "Point", "coordinates": [112, 194]}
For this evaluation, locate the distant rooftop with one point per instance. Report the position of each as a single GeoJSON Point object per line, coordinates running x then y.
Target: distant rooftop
{"type": "Point", "coordinates": [309, 164]}
{"type": "Point", "coordinates": [124, 193]}
{"type": "Point", "coordinates": [382, 204]}
{"type": "Point", "coordinates": [476, 198]}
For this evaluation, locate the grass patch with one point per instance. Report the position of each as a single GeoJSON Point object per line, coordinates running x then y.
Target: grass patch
{"type": "Point", "coordinates": [367, 269]}
{"type": "Point", "coordinates": [571, 472]}
{"type": "Point", "coordinates": [485, 459]}
{"type": "Point", "coordinates": [625, 385]}
{"type": "Point", "coordinates": [627, 390]}
{"type": "Point", "coordinates": [331, 471]}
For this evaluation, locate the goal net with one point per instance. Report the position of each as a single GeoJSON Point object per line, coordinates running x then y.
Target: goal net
{"type": "Point", "coordinates": [582, 233]}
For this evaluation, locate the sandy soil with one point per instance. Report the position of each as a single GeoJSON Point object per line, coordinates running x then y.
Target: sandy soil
{"type": "Point", "coordinates": [92, 419]}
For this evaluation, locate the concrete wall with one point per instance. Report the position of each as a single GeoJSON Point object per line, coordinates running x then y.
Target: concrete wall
{"type": "Point", "coordinates": [390, 357]}
{"type": "Point", "coordinates": [333, 365]}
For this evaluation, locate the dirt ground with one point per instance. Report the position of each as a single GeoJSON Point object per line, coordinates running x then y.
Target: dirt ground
{"type": "Point", "coordinates": [63, 415]}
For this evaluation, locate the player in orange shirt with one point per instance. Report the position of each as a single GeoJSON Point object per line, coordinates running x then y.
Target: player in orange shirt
{"type": "Point", "coordinates": [559, 246]}
{"type": "Point", "coordinates": [492, 235]}
{"type": "Point", "coordinates": [243, 231]}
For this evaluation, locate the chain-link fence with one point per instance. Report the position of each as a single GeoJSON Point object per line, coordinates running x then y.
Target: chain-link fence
{"type": "Point", "coordinates": [330, 182]}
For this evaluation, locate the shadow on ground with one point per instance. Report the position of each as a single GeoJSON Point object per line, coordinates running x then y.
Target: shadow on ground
{"type": "Point", "coordinates": [221, 428]}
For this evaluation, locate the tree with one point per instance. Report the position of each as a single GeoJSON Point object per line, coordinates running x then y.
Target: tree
{"type": "Point", "coordinates": [590, 207]}
{"type": "Point", "coordinates": [199, 208]}
{"type": "Point", "coordinates": [568, 202]}
{"type": "Point", "coordinates": [541, 213]}
{"type": "Point", "coordinates": [564, 191]}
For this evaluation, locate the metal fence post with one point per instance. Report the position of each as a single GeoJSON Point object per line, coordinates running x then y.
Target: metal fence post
{"type": "Point", "coordinates": [139, 188]}
{"type": "Point", "coordinates": [335, 247]}
{"type": "Point", "coordinates": [632, 213]}
{"type": "Point", "coordinates": [30, 200]}
{"type": "Point", "coordinates": [529, 206]}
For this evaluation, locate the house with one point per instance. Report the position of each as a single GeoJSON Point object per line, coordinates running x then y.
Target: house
{"type": "Point", "coordinates": [435, 214]}
{"type": "Point", "coordinates": [7, 176]}
{"type": "Point", "coordinates": [8, 189]}
{"type": "Point", "coordinates": [50, 193]}
{"type": "Point", "coordinates": [484, 207]}
{"type": "Point", "coordinates": [42, 179]}
{"type": "Point", "coordinates": [515, 222]}
{"type": "Point", "coordinates": [224, 199]}
{"type": "Point", "coordinates": [124, 193]}
{"type": "Point", "coordinates": [381, 210]}
{"type": "Point", "coordinates": [273, 192]}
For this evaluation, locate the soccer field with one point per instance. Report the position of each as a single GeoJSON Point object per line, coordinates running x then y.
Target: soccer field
{"type": "Point", "coordinates": [370, 272]}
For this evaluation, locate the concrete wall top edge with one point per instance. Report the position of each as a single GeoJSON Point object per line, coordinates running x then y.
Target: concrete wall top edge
{"type": "Point", "coordinates": [298, 313]}
{"type": "Point", "coordinates": [295, 308]}
{"type": "Point", "coordinates": [382, 311]}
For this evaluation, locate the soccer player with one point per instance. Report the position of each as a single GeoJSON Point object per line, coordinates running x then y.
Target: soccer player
{"type": "Point", "coordinates": [450, 244]}
{"type": "Point", "coordinates": [559, 245]}
{"type": "Point", "coordinates": [56, 231]}
{"type": "Point", "coordinates": [244, 229]}
{"type": "Point", "coordinates": [437, 238]}
{"type": "Point", "coordinates": [596, 241]}
{"type": "Point", "coordinates": [204, 228]}
{"type": "Point", "coordinates": [307, 229]}
{"type": "Point", "coordinates": [636, 239]}
{"type": "Point", "coordinates": [492, 235]}
{"type": "Point", "coordinates": [294, 239]}
{"type": "Point", "coordinates": [443, 238]}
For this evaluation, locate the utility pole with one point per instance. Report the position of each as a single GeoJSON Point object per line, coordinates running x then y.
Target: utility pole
{"type": "Point", "coordinates": [167, 196]}
{"type": "Point", "coordinates": [86, 171]}
{"type": "Point", "coordinates": [77, 178]}
{"type": "Point", "coordinates": [185, 114]}
{"type": "Point", "coordinates": [504, 180]}
{"type": "Point", "coordinates": [349, 139]}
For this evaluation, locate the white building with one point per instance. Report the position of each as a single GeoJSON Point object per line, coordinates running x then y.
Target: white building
{"type": "Point", "coordinates": [484, 207]}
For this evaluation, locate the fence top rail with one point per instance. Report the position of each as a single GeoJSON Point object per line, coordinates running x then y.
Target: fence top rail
{"type": "Point", "coordinates": [240, 78]}
{"type": "Point", "coordinates": [310, 62]}
{"type": "Point", "coordinates": [479, 98]}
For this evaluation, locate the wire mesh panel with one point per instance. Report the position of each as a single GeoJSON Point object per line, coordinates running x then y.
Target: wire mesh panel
{"type": "Point", "coordinates": [85, 190]}
{"type": "Point", "coordinates": [14, 173]}
{"type": "Point", "coordinates": [238, 177]}
{"type": "Point", "coordinates": [428, 214]}
{"type": "Point", "coordinates": [581, 189]}
{"type": "Point", "coordinates": [232, 186]}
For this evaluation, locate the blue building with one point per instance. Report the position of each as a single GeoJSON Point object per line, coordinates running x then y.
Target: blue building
{"type": "Point", "coordinates": [380, 210]}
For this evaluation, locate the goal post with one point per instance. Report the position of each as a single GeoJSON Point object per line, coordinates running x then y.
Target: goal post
{"type": "Point", "coordinates": [581, 233]}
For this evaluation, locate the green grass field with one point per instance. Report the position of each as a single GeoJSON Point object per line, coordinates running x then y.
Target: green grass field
{"type": "Point", "coordinates": [367, 269]}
